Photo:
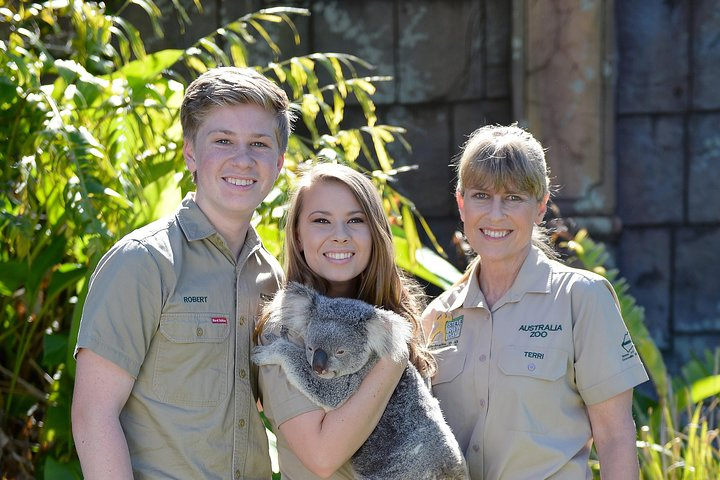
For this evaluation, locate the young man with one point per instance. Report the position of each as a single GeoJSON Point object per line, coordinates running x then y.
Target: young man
{"type": "Point", "coordinates": [164, 385]}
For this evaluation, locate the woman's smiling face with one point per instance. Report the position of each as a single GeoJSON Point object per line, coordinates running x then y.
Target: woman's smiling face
{"type": "Point", "coordinates": [498, 223]}
{"type": "Point", "coordinates": [334, 236]}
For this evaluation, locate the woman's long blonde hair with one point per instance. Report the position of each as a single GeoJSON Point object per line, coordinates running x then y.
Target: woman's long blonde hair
{"type": "Point", "coordinates": [382, 283]}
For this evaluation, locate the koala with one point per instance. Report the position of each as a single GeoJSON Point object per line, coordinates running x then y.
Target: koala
{"type": "Point", "coordinates": [343, 340]}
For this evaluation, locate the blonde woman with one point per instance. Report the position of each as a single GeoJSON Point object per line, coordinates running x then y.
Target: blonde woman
{"type": "Point", "coordinates": [534, 362]}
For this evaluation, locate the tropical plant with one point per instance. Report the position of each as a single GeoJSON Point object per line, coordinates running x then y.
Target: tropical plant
{"type": "Point", "coordinates": [91, 149]}
{"type": "Point", "coordinates": [678, 434]}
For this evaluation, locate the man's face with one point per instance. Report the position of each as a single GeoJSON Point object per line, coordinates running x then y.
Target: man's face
{"type": "Point", "coordinates": [236, 158]}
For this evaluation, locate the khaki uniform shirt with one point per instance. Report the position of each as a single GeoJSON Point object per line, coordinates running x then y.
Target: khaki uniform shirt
{"type": "Point", "coordinates": [281, 402]}
{"type": "Point", "coordinates": [171, 305]}
{"type": "Point", "coordinates": [514, 380]}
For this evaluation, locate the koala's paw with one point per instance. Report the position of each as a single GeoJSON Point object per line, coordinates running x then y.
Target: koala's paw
{"type": "Point", "coordinates": [265, 355]}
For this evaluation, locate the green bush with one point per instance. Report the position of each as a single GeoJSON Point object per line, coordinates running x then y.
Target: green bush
{"type": "Point", "coordinates": [91, 148]}
{"type": "Point", "coordinates": [678, 434]}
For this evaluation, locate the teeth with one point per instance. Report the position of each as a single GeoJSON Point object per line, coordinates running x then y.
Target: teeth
{"type": "Point", "coordinates": [239, 182]}
{"type": "Point", "coordinates": [496, 233]}
{"type": "Point", "coordinates": [339, 256]}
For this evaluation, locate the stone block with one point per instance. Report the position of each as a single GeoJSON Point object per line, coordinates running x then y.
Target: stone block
{"type": "Point", "coordinates": [364, 29]}
{"type": "Point", "coordinates": [650, 169]}
{"type": "Point", "coordinates": [706, 54]}
{"type": "Point", "coordinates": [497, 31]}
{"type": "Point", "coordinates": [567, 98]}
{"type": "Point", "coordinates": [468, 116]}
{"type": "Point", "coordinates": [645, 263]}
{"type": "Point", "coordinates": [653, 61]}
{"type": "Point", "coordinates": [696, 284]}
{"type": "Point", "coordinates": [430, 186]}
{"type": "Point", "coordinates": [704, 169]}
{"type": "Point", "coordinates": [440, 50]}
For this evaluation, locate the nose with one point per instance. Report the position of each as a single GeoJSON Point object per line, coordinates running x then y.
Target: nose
{"type": "Point", "coordinates": [496, 207]}
{"type": "Point", "coordinates": [319, 361]}
{"type": "Point", "coordinates": [241, 155]}
{"type": "Point", "coordinates": [341, 234]}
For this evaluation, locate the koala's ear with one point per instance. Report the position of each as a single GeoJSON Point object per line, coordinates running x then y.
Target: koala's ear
{"type": "Point", "coordinates": [294, 306]}
{"type": "Point", "coordinates": [388, 334]}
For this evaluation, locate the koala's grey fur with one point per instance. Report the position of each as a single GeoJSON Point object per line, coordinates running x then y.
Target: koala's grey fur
{"type": "Point", "coordinates": [343, 340]}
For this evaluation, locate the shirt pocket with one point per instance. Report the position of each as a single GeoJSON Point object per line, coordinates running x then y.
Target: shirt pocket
{"type": "Point", "coordinates": [192, 366]}
{"type": "Point", "coordinates": [529, 390]}
{"type": "Point", "coordinates": [450, 366]}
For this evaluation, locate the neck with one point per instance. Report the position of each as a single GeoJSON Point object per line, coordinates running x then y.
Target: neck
{"type": "Point", "coordinates": [496, 278]}
{"type": "Point", "coordinates": [232, 230]}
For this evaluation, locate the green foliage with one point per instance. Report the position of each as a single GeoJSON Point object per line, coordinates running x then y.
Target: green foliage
{"type": "Point", "coordinates": [91, 148]}
{"type": "Point", "coordinates": [678, 434]}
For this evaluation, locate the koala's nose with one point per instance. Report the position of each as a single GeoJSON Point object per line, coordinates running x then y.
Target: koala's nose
{"type": "Point", "coordinates": [319, 361]}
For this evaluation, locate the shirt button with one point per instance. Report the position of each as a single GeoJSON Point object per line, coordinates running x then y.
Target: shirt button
{"type": "Point", "coordinates": [242, 373]}
{"type": "Point", "coordinates": [241, 320]}
{"type": "Point", "coordinates": [241, 423]}
{"type": "Point", "coordinates": [476, 448]}
{"type": "Point", "coordinates": [483, 357]}
{"type": "Point", "coordinates": [237, 473]}
{"type": "Point", "coordinates": [199, 332]}
{"type": "Point", "coordinates": [482, 402]}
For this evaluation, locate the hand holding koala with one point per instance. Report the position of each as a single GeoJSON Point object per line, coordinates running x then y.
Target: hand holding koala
{"type": "Point", "coordinates": [343, 339]}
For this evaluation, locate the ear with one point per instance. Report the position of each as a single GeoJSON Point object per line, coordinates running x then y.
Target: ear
{"type": "Point", "coordinates": [388, 334]}
{"type": "Point", "coordinates": [461, 204]}
{"type": "Point", "coordinates": [542, 209]}
{"type": "Point", "coordinates": [189, 154]}
{"type": "Point", "coordinates": [293, 306]}
{"type": "Point", "coordinates": [280, 162]}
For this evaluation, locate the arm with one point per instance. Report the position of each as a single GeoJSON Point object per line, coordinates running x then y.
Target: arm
{"type": "Point", "coordinates": [324, 441]}
{"type": "Point", "coordinates": [101, 390]}
{"type": "Point", "coordinates": [614, 434]}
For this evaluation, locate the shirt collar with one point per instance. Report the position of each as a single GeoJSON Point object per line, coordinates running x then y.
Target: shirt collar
{"type": "Point", "coordinates": [196, 226]}
{"type": "Point", "coordinates": [534, 277]}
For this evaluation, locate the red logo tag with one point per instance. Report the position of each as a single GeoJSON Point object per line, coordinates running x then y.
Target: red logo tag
{"type": "Point", "coordinates": [222, 320]}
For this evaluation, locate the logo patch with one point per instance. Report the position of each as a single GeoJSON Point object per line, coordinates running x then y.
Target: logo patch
{"type": "Point", "coordinates": [628, 346]}
{"type": "Point", "coordinates": [219, 320]}
{"type": "Point", "coordinates": [447, 330]}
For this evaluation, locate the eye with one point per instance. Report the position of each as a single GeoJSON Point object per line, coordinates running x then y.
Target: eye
{"type": "Point", "coordinates": [356, 220]}
{"type": "Point", "coordinates": [310, 349]}
{"type": "Point", "coordinates": [340, 352]}
{"type": "Point", "coordinates": [320, 220]}
{"type": "Point", "coordinates": [479, 195]}
{"type": "Point", "coordinates": [259, 144]}
{"type": "Point", "coordinates": [222, 141]}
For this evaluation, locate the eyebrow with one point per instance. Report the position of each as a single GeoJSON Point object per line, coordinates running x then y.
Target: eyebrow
{"type": "Point", "coordinates": [325, 212]}
{"type": "Point", "coordinates": [231, 132]}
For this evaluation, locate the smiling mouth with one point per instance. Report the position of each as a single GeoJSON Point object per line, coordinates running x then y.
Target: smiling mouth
{"type": "Point", "coordinates": [495, 233]}
{"type": "Point", "coordinates": [339, 255]}
{"type": "Point", "coordinates": [239, 182]}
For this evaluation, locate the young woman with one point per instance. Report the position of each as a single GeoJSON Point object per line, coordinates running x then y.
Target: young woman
{"type": "Point", "coordinates": [338, 241]}
{"type": "Point", "coordinates": [541, 363]}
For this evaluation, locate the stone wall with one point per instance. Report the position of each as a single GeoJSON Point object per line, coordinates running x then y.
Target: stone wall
{"type": "Point", "coordinates": [668, 164]}
{"type": "Point", "coordinates": [624, 93]}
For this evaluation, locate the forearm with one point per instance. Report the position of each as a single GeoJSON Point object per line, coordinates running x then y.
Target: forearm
{"type": "Point", "coordinates": [614, 437]}
{"type": "Point", "coordinates": [618, 459]}
{"type": "Point", "coordinates": [326, 441]}
{"type": "Point", "coordinates": [102, 448]}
